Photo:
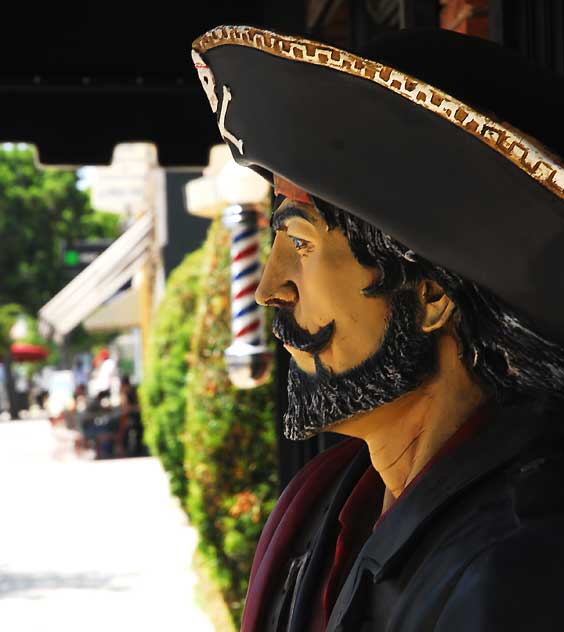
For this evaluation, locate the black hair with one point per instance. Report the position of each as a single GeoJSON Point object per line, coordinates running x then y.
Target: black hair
{"type": "Point", "coordinates": [512, 362]}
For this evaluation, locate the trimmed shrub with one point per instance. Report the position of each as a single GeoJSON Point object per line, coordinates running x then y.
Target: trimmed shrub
{"type": "Point", "coordinates": [230, 438]}
{"type": "Point", "coordinates": [163, 389]}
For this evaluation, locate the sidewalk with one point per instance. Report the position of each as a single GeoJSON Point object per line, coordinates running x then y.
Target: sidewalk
{"type": "Point", "coordinates": [90, 545]}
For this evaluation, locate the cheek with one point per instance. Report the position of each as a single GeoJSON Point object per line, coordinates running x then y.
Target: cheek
{"type": "Point", "coordinates": [318, 293]}
{"type": "Point", "coordinates": [330, 284]}
{"type": "Point", "coordinates": [360, 322]}
{"type": "Point", "coordinates": [360, 325]}
{"type": "Point", "coordinates": [345, 279]}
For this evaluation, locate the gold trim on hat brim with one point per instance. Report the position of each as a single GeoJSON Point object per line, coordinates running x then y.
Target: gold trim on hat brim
{"type": "Point", "coordinates": [524, 152]}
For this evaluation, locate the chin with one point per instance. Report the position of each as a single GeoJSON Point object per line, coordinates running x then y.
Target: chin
{"type": "Point", "coordinates": [303, 360]}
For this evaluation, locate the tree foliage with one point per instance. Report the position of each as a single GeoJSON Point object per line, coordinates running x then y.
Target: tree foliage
{"type": "Point", "coordinates": [230, 439]}
{"type": "Point", "coordinates": [163, 390]}
{"type": "Point", "coordinates": [40, 210]}
{"type": "Point", "coordinates": [217, 443]}
{"type": "Point", "coordinates": [9, 313]}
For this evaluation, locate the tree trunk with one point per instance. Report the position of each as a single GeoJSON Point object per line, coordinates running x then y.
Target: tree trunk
{"type": "Point", "coordinates": [10, 389]}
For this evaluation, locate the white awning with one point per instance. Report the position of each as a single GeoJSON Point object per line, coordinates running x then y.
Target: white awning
{"type": "Point", "coordinates": [100, 280]}
{"type": "Point", "coordinates": [120, 312]}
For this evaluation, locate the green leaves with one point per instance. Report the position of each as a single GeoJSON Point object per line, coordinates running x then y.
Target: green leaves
{"type": "Point", "coordinates": [9, 313]}
{"type": "Point", "coordinates": [230, 448]}
{"type": "Point", "coordinates": [40, 209]}
{"type": "Point", "coordinates": [216, 442]}
{"type": "Point", "coordinates": [162, 392]}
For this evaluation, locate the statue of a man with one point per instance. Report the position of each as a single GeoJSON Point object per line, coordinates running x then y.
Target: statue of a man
{"type": "Point", "coordinates": [416, 275]}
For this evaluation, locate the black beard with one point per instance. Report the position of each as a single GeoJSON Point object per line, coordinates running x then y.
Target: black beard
{"type": "Point", "coordinates": [406, 357]}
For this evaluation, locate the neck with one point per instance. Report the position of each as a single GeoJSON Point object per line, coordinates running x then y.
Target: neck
{"type": "Point", "coordinates": [405, 434]}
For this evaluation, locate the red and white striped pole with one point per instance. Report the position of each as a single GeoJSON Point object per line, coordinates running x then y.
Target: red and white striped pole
{"type": "Point", "coordinates": [248, 358]}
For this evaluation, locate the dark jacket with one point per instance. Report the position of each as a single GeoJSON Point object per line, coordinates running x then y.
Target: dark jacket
{"type": "Point", "coordinates": [476, 545]}
{"type": "Point", "coordinates": [298, 540]}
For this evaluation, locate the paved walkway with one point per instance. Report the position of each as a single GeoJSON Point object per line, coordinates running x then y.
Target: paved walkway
{"type": "Point", "coordinates": [90, 545]}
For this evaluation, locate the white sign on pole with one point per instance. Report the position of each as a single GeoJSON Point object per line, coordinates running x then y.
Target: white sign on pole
{"type": "Point", "coordinates": [126, 186]}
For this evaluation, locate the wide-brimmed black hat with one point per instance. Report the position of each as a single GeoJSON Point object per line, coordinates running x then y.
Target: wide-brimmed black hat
{"type": "Point", "coordinates": [450, 144]}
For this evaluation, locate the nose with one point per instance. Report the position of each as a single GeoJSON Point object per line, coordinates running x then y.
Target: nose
{"type": "Point", "coordinates": [276, 286]}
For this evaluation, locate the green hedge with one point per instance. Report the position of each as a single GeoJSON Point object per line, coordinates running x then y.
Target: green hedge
{"type": "Point", "coordinates": [216, 442]}
{"type": "Point", "coordinates": [230, 449]}
{"type": "Point", "coordinates": [163, 389]}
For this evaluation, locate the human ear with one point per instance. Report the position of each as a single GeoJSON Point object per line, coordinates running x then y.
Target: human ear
{"type": "Point", "coordinates": [436, 305]}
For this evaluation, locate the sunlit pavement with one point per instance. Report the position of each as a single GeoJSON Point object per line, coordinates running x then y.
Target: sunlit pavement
{"type": "Point", "coordinates": [89, 545]}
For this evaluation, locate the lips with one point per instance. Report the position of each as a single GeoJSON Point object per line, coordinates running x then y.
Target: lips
{"type": "Point", "coordinates": [287, 330]}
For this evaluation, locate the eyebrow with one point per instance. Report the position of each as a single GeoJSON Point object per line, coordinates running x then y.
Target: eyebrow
{"type": "Point", "coordinates": [279, 217]}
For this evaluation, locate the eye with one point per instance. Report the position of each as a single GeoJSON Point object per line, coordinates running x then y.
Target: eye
{"type": "Point", "coordinates": [299, 244]}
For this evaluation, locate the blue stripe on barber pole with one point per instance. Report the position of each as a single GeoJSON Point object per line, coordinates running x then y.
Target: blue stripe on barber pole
{"type": "Point", "coordinates": [246, 233]}
{"type": "Point", "coordinates": [246, 310]}
{"type": "Point", "coordinates": [248, 270]}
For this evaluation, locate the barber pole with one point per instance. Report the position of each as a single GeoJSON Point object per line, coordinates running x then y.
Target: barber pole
{"type": "Point", "coordinates": [248, 358]}
{"type": "Point", "coordinates": [247, 316]}
{"type": "Point", "coordinates": [240, 195]}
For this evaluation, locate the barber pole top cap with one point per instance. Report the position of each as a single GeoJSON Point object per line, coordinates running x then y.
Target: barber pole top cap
{"type": "Point", "coordinates": [224, 183]}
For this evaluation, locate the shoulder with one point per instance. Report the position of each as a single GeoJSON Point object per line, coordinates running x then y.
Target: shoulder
{"type": "Point", "coordinates": [515, 582]}
{"type": "Point", "coordinates": [294, 514]}
{"type": "Point", "coordinates": [307, 487]}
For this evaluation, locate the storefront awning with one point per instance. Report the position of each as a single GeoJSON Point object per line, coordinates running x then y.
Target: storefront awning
{"type": "Point", "coordinates": [99, 281]}
{"type": "Point", "coordinates": [120, 312]}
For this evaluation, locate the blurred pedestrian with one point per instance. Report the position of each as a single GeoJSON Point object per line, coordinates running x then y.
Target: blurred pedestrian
{"type": "Point", "coordinates": [130, 436]}
{"type": "Point", "coordinates": [104, 375]}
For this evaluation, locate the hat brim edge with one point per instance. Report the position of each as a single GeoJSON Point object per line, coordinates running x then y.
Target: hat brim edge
{"type": "Point", "coordinates": [526, 153]}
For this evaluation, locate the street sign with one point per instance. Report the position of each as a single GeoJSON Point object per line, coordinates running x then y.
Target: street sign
{"type": "Point", "coordinates": [80, 254]}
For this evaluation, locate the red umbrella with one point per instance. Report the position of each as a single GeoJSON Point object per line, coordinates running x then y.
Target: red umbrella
{"type": "Point", "coordinates": [25, 352]}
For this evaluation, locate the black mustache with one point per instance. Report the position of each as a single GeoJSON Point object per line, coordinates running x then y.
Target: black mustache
{"type": "Point", "coordinates": [285, 327]}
